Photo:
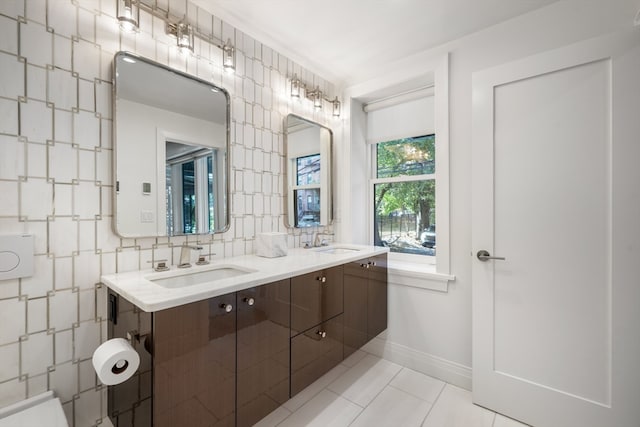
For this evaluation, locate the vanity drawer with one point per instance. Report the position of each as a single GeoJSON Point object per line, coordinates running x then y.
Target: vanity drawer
{"type": "Point", "coordinates": [316, 297]}
{"type": "Point", "coordinates": [315, 352]}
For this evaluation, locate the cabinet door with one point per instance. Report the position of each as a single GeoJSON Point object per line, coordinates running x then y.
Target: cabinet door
{"type": "Point", "coordinates": [195, 364]}
{"type": "Point", "coordinates": [356, 289]}
{"type": "Point", "coordinates": [315, 352]}
{"type": "Point", "coordinates": [315, 297]}
{"type": "Point", "coordinates": [129, 403]}
{"type": "Point", "coordinates": [262, 351]}
{"type": "Point", "coordinates": [377, 296]}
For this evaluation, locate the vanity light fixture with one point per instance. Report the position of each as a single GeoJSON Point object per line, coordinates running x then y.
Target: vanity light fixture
{"type": "Point", "coordinates": [317, 98]}
{"type": "Point", "coordinates": [299, 90]}
{"type": "Point", "coordinates": [183, 34]}
{"type": "Point", "coordinates": [295, 87]}
{"type": "Point", "coordinates": [229, 57]}
{"type": "Point", "coordinates": [128, 14]}
{"type": "Point", "coordinates": [336, 107]}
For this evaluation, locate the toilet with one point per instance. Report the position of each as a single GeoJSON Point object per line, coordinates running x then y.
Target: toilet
{"type": "Point", "coordinates": [41, 410]}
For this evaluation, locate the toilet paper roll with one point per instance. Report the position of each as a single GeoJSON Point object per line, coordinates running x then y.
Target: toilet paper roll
{"type": "Point", "coordinates": [115, 361]}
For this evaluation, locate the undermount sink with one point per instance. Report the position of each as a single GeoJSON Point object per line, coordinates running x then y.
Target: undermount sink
{"type": "Point", "coordinates": [197, 277]}
{"type": "Point", "coordinates": [337, 250]}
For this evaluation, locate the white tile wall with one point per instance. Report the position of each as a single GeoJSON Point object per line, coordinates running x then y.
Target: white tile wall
{"type": "Point", "coordinates": [55, 176]}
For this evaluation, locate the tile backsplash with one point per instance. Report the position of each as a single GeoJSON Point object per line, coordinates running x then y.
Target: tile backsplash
{"type": "Point", "coordinates": [56, 179]}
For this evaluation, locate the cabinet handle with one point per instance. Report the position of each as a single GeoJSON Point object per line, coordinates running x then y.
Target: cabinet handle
{"type": "Point", "coordinates": [372, 264]}
{"type": "Point", "coordinates": [249, 301]}
{"type": "Point", "coordinates": [322, 334]}
{"type": "Point", "coordinates": [322, 279]}
{"type": "Point", "coordinates": [227, 307]}
{"type": "Point", "coordinates": [364, 265]}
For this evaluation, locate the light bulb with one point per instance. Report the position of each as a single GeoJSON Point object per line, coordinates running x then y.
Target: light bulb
{"type": "Point", "coordinates": [229, 57]}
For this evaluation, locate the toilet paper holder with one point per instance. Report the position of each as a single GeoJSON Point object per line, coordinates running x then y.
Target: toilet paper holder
{"type": "Point", "coordinates": [134, 336]}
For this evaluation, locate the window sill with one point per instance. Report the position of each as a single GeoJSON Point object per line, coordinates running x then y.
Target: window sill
{"type": "Point", "coordinates": [418, 276]}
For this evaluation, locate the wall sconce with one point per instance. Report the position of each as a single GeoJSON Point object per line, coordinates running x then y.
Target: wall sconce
{"type": "Point", "coordinates": [229, 57]}
{"type": "Point", "coordinates": [184, 36]}
{"type": "Point", "coordinates": [295, 87]}
{"type": "Point", "coordinates": [336, 107]}
{"type": "Point", "coordinates": [128, 14]}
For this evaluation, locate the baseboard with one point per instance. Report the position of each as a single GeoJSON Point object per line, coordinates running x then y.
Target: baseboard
{"type": "Point", "coordinates": [445, 370]}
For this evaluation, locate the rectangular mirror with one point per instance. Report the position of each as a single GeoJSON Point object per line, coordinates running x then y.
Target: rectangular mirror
{"type": "Point", "coordinates": [308, 148]}
{"type": "Point", "coordinates": [171, 146]}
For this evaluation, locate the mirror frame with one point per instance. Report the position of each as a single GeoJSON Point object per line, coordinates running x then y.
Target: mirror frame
{"type": "Point", "coordinates": [330, 212]}
{"type": "Point", "coordinates": [227, 167]}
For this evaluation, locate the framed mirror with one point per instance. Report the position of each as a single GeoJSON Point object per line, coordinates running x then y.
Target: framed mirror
{"type": "Point", "coordinates": [171, 133]}
{"type": "Point", "coordinates": [309, 195]}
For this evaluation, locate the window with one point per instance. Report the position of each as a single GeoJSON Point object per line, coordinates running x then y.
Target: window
{"type": "Point", "coordinates": [402, 112]}
{"type": "Point", "coordinates": [404, 199]}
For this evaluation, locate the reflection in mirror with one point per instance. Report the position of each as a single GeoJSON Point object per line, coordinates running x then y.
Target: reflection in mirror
{"type": "Point", "coordinates": [171, 133]}
{"type": "Point", "coordinates": [308, 202]}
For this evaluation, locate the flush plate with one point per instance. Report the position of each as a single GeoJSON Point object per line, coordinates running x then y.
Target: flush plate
{"type": "Point", "coordinates": [16, 256]}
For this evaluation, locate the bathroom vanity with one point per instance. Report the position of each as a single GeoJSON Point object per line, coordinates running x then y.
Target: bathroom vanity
{"type": "Point", "coordinates": [226, 351]}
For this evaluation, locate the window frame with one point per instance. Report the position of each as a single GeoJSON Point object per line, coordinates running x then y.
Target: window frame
{"type": "Point", "coordinates": [355, 224]}
{"type": "Point", "coordinates": [373, 180]}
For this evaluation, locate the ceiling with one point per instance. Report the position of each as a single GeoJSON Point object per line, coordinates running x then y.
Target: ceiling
{"type": "Point", "coordinates": [344, 41]}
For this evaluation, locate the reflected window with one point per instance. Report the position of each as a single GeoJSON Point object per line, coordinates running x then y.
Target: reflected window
{"type": "Point", "coordinates": [307, 207]}
{"type": "Point", "coordinates": [191, 189]}
{"type": "Point", "coordinates": [307, 191]}
{"type": "Point", "coordinates": [308, 170]}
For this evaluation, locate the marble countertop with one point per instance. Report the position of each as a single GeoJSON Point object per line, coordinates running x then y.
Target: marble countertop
{"type": "Point", "coordinates": [138, 287]}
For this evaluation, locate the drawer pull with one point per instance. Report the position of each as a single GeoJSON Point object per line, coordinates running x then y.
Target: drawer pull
{"type": "Point", "coordinates": [227, 307]}
{"type": "Point", "coordinates": [322, 279]}
{"type": "Point", "coordinates": [249, 301]}
{"type": "Point", "coordinates": [322, 334]}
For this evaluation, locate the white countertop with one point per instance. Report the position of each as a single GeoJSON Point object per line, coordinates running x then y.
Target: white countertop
{"type": "Point", "coordinates": [138, 289]}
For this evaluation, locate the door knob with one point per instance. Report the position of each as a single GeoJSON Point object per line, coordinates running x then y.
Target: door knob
{"type": "Point", "coordinates": [226, 307]}
{"type": "Point", "coordinates": [486, 256]}
{"type": "Point", "coordinates": [249, 300]}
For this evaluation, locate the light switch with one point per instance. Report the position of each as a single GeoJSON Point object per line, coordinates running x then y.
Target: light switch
{"type": "Point", "coordinates": [146, 216]}
{"type": "Point", "coordinates": [16, 256]}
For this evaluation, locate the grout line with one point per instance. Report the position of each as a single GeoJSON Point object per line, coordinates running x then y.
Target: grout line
{"type": "Point", "coordinates": [378, 394]}
{"type": "Point", "coordinates": [434, 403]}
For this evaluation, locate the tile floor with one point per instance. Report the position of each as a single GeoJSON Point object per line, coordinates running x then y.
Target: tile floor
{"type": "Point", "coordinates": [367, 391]}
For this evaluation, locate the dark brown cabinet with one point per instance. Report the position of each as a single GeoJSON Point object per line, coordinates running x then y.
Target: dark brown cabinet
{"type": "Point", "coordinates": [262, 351]}
{"type": "Point", "coordinates": [231, 360]}
{"type": "Point", "coordinates": [195, 364]}
{"type": "Point", "coordinates": [315, 297]}
{"type": "Point", "coordinates": [213, 361]}
{"type": "Point", "coordinates": [315, 352]}
{"type": "Point", "coordinates": [365, 301]}
{"type": "Point", "coordinates": [377, 296]}
{"type": "Point", "coordinates": [317, 303]}
{"type": "Point", "coordinates": [130, 403]}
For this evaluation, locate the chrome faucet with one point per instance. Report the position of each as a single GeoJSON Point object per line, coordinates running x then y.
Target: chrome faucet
{"type": "Point", "coordinates": [317, 242]}
{"type": "Point", "coordinates": [185, 255]}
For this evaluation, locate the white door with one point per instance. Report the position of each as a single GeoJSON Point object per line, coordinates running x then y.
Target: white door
{"type": "Point", "coordinates": [556, 192]}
